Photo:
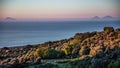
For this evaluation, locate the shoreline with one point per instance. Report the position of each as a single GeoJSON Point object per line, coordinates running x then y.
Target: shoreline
{"type": "Point", "coordinates": [20, 46]}
{"type": "Point", "coordinates": [84, 49]}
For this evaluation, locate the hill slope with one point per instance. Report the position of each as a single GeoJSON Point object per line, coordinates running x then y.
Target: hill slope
{"type": "Point", "coordinates": [84, 50]}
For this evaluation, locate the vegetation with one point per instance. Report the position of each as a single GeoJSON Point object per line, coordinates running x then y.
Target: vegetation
{"type": "Point", "coordinates": [84, 50]}
{"type": "Point", "coordinates": [48, 53]}
{"type": "Point", "coordinates": [48, 65]}
{"type": "Point", "coordinates": [71, 50]}
{"type": "Point", "coordinates": [74, 64]}
{"type": "Point", "coordinates": [115, 64]}
{"type": "Point", "coordinates": [108, 29]}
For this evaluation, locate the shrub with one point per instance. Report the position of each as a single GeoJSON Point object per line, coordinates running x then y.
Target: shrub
{"type": "Point", "coordinates": [55, 53]}
{"type": "Point", "coordinates": [50, 65]}
{"type": "Point", "coordinates": [108, 29]}
{"type": "Point", "coordinates": [46, 65]}
{"type": "Point", "coordinates": [1, 57]}
{"type": "Point", "coordinates": [115, 64]}
{"type": "Point", "coordinates": [78, 64]}
{"type": "Point", "coordinates": [84, 50]}
{"type": "Point", "coordinates": [68, 49]}
{"type": "Point", "coordinates": [78, 35]}
{"type": "Point", "coordinates": [47, 53]}
{"type": "Point", "coordinates": [71, 49]}
{"type": "Point", "coordinates": [74, 41]}
{"type": "Point", "coordinates": [40, 52]}
{"type": "Point", "coordinates": [4, 57]}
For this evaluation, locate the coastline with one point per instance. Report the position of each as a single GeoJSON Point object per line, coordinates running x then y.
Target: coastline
{"type": "Point", "coordinates": [12, 34]}
{"type": "Point", "coordinates": [88, 47]}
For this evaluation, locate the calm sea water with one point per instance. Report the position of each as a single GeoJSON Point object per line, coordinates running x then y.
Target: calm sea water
{"type": "Point", "coordinates": [24, 33]}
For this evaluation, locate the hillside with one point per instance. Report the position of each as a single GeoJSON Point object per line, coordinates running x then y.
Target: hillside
{"type": "Point", "coordinates": [84, 50]}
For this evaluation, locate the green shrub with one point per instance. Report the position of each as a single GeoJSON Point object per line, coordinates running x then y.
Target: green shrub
{"type": "Point", "coordinates": [68, 49]}
{"type": "Point", "coordinates": [78, 64]}
{"type": "Point", "coordinates": [115, 64]}
{"type": "Point", "coordinates": [55, 53]}
{"type": "Point", "coordinates": [47, 53]}
{"type": "Point", "coordinates": [46, 65]}
{"type": "Point", "coordinates": [74, 41]}
{"type": "Point", "coordinates": [1, 57]}
{"type": "Point", "coordinates": [49, 65]}
{"type": "Point", "coordinates": [71, 50]}
{"type": "Point", "coordinates": [40, 52]}
{"type": "Point", "coordinates": [84, 50]}
{"type": "Point", "coordinates": [108, 29]}
{"type": "Point", "coordinates": [4, 57]}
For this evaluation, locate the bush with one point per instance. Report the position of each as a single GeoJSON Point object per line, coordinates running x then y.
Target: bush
{"type": "Point", "coordinates": [49, 65]}
{"type": "Point", "coordinates": [68, 49]}
{"type": "Point", "coordinates": [46, 65]}
{"type": "Point", "coordinates": [71, 50]}
{"type": "Point", "coordinates": [74, 41]}
{"type": "Point", "coordinates": [84, 50]}
{"type": "Point", "coordinates": [108, 29]}
{"type": "Point", "coordinates": [40, 51]}
{"type": "Point", "coordinates": [78, 64]}
{"type": "Point", "coordinates": [1, 57]}
{"type": "Point", "coordinates": [4, 57]}
{"type": "Point", "coordinates": [115, 64]}
{"type": "Point", "coordinates": [47, 53]}
{"type": "Point", "coordinates": [55, 53]}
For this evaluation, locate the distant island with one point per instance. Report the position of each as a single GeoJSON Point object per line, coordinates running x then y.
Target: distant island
{"type": "Point", "coordinates": [108, 17]}
{"type": "Point", "coordinates": [103, 18]}
{"type": "Point", "coordinates": [96, 17]}
{"type": "Point", "coordinates": [93, 18]}
{"type": "Point", "coordinates": [84, 50]}
{"type": "Point", "coordinates": [9, 19]}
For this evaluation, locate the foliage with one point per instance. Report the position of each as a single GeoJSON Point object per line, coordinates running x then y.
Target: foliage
{"type": "Point", "coordinates": [3, 57]}
{"type": "Point", "coordinates": [68, 49]}
{"type": "Point", "coordinates": [74, 64]}
{"type": "Point", "coordinates": [115, 64]}
{"type": "Point", "coordinates": [47, 53]}
{"type": "Point", "coordinates": [84, 50]}
{"type": "Point", "coordinates": [71, 49]}
{"type": "Point", "coordinates": [79, 64]}
{"type": "Point", "coordinates": [74, 41]}
{"type": "Point", "coordinates": [40, 51]}
{"type": "Point", "coordinates": [108, 29]}
{"type": "Point", "coordinates": [49, 65]}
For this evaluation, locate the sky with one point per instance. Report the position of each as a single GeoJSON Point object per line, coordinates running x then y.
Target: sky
{"type": "Point", "coordinates": [58, 9]}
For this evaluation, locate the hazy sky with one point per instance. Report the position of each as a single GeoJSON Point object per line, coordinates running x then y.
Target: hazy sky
{"type": "Point", "coordinates": [58, 9]}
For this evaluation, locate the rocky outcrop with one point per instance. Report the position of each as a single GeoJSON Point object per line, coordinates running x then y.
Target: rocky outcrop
{"type": "Point", "coordinates": [97, 48]}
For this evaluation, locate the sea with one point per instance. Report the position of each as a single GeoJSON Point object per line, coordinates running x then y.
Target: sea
{"type": "Point", "coordinates": [19, 33]}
